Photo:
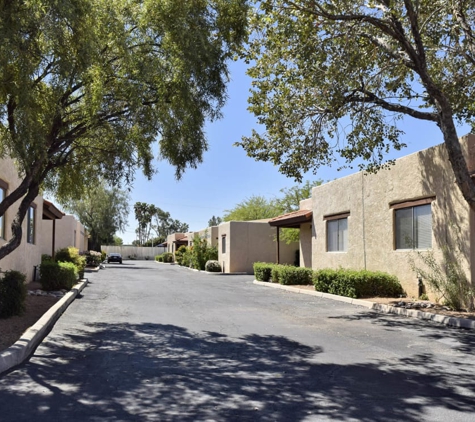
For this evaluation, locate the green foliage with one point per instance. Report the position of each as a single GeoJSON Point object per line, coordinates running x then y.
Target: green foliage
{"type": "Point", "coordinates": [334, 79]}
{"type": "Point", "coordinates": [90, 85]}
{"type": "Point", "coordinates": [253, 208]}
{"type": "Point", "coordinates": [71, 254]}
{"type": "Point", "coordinates": [179, 254]}
{"type": "Point", "coordinates": [213, 266]}
{"type": "Point", "coordinates": [152, 218]}
{"type": "Point", "coordinates": [58, 275]}
{"type": "Point", "coordinates": [201, 252]}
{"type": "Point", "coordinates": [289, 275]}
{"type": "Point", "coordinates": [187, 258]}
{"type": "Point", "coordinates": [263, 270]}
{"type": "Point", "coordinates": [103, 256]}
{"type": "Point", "coordinates": [12, 294]}
{"type": "Point", "coordinates": [93, 258]}
{"type": "Point", "coordinates": [159, 258]}
{"type": "Point", "coordinates": [103, 211]}
{"type": "Point", "coordinates": [446, 278]}
{"type": "Point", "coordinates": [357, 284]}
{"type": "Point", "coordinates": [167, 257]}
{"type": "Point", "coordinates": [214, 221]}
{"type": "Point", "coordinates": [46, 257]}
{"type": "Point", "coordinates": [117, 241]}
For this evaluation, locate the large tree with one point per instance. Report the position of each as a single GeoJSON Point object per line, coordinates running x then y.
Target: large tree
{"type": "Point", "coordinates": [103, 211]}
{"type": "Point", "coordinates": [87, 86]}
{"type": "Point", "coordinates": [256, 207]}
{"type": "Point", "coordinates": [337, 77]}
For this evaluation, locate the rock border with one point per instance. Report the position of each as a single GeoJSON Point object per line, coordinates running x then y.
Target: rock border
{"type": "Point", "coordinates": [33, 336]}
{"type": "Point", "coordinates": [388, 309]}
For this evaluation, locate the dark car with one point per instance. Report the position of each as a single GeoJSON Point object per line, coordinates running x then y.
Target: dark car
{"type": "Point", "coordinates": [114, 257]}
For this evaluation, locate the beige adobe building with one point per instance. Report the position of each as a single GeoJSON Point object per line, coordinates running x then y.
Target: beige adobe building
{"type": "Point", "coordinates": [63, 233]}
{"type": "Point", "coordinates": [381, 221]}
{"type": "Point", "coordinates": [242, 243]}
{"type": "Point", "coordinates": [28, 254]}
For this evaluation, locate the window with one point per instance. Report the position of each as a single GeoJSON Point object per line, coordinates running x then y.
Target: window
{"type": "Point", "coordinates": [30, 225]}
{"type": "Point", "coordinates": [3, 193]}
{"type": "Point", "coordinates": [414, 227]}
{"type": "Point", "coordinates": [337, 233]}
{"type": "Point", "coordinates": [223, 244]}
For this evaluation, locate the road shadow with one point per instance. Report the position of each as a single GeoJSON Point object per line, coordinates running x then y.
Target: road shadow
{"type": "Point", "coordinates": [460, 339]}
{"type": "Point", "coordinates": [145, 372]}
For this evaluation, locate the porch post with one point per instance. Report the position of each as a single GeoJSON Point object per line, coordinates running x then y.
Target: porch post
{"type": "Point", "coordinates": [278, 245]}
{"type": "Point", "coordinates": [53, 244]}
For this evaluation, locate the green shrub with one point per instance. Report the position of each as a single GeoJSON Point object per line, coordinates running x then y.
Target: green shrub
{"type": "Point", "coordinates": [167, 257]}
{"type": "Point", "coordinates": [357, 284]}
{"type": "Point", "coordinates": [179, 254]}
{"type": "Point", "coordinates": [58, 275]}
{"type": "Point", "coordinates": [93, 258]}
{"type": "Point", "coordinates": [289, 275]}
{"type": "Point", "coordinates": [275, 273]}
{"type": "Point", "coordinates": [159, 258]}
{"type": "Point", "coordinates": [12, 294]}
{"type": "Point", "coordinates": [46, 257]}
{"type": "Point", "coordinates": [213, 266]}
{"type": "Point", "coordinates": [103, 256]}
{"type": "Point", "coordinates": [263, 270]}
{"type": "Point", "coordinates": [187, 258]}
{"type": "Point", "coordinates": [71, 254]}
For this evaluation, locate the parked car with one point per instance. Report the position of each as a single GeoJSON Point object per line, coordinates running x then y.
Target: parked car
{"type": "Point", "coordinates": [114, 257]}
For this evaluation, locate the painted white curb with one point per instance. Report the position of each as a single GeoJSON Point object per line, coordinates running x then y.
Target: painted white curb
{"type": "Point", "coordinates": [34, 335]}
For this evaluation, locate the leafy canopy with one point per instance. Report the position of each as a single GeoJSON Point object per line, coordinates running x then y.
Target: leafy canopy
{"type": "Point", "coordinates": [336, 77]}
{"type": "Point", "coordinates": [89, 85]}
{"type": "Point", "coordinates": [103, 211]}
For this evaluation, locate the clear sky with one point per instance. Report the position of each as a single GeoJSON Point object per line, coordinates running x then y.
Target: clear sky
{"type": "Point", "coordinates": [227, 175]}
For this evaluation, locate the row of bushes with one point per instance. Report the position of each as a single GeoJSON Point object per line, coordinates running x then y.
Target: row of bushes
{"type": "Point", "coordinates": [200, 256]}
{"type": "Point", "coordinates": [343, 282]}
{"type": "Point", "coordinates": [63, 271]}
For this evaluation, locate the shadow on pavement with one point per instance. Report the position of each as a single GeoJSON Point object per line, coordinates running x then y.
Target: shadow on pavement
{"type": "Point", "coordinates": [163, 372]}
{"type": "Point", "coordinates": [460, 339]}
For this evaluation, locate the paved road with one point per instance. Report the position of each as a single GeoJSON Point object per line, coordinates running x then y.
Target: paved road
{"type": "Point", "coordinates": [150, 342]}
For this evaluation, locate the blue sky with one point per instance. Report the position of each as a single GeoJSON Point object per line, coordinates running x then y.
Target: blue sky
{"type": "Point", "coordinates": [227, 176]}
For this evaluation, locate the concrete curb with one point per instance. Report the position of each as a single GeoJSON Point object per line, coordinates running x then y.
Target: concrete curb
{"type": "Point", "coordinates": [388, 309]}
{"type": "Point", "coordinates": [34, 335]}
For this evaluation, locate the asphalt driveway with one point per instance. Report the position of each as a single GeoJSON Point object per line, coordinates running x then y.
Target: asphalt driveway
{"type": "Point", "coordinates": [151, 342]}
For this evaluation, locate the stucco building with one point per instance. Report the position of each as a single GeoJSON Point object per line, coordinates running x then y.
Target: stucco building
{"type": "Point", "coordinates": [383, 221]}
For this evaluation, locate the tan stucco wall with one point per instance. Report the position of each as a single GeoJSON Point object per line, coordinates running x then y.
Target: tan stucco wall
{"type": "Point", "coordinates": [248, 242]}
{"type": "Point", "coordinates": [171, 238]}
{"type": "Point", "coordinates": [69, 232]}
{"type": "Point", "coordinates": [370, 224]}
{"type": "Point", "coordinates": [26, 255]}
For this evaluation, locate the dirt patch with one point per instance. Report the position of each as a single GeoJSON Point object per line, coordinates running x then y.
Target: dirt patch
{"type": "Point", "coordinates": [12, 328]}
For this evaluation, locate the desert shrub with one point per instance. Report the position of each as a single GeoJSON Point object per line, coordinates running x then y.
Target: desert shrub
{"type": "Point", "coordinates": [213, 266]}
{"type": "Point", "coordinates": [93, 258]}
{"type": "Point", "coordinates": [71, 254]}
{"type": "Point", "coordinates": [179, 254]}
{"type": "Point", "coordinates": [356, 284]}
{"type": "Point", "coordinates": [103, 256]}
{"type": "Point", "coordinates": [46, 257]}
{"type": "Point", "coordinates": [167, 257]}
{"type": "Point", "coordinates": [12, 294]}
{"type": "Point", "coordinates": [289, 275]}
{"type": "Point", "coordinates": [447, 278]}
{"type": "Point", "coordinates": [275, 272]}
{"type": "Point", "coordinates": [263, 270]}
{"type": "Point", "coordinates": [159, 258]}
{"type": "Point", "coordinates": [187, 258]}
{"type": "Point", "coordinates": [58, 275]}
{"type": "Point", "coordinates": [212, 253]}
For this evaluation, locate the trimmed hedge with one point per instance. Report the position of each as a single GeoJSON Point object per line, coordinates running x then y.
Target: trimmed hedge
{"type": "Point", "coordinates": [12, 294]}
{"type": "Point", "coordinates": [58, 275]}
{"type": "Point", "coordinates": [263, 270]}
{"type": "Point", "coordinates": [357, 284]}
{"type": "Point", "coordinates": [167, 257]}
{"type": "Point", "coordinates": [289, 275]}
{"type": "Point", "coordinates": [159, 258]}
